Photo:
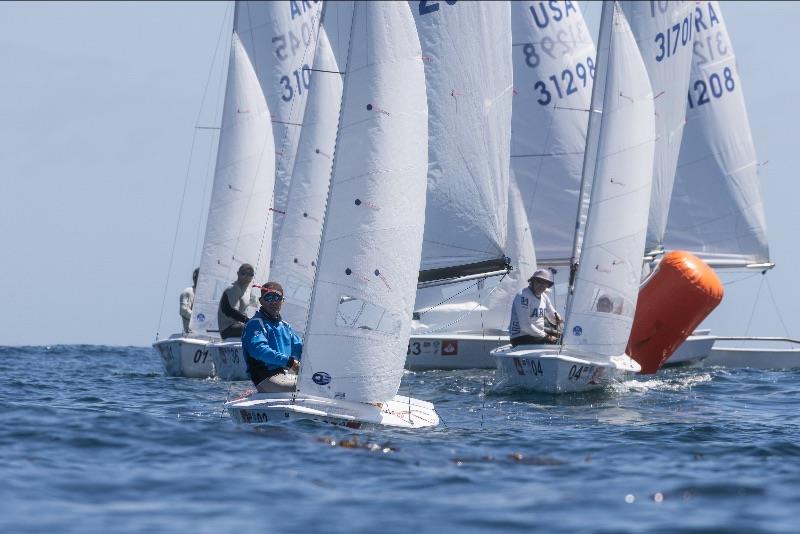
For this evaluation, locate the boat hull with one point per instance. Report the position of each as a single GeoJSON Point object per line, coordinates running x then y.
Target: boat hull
{"type": "Point", "coordinates": [696, 348]}
{"type": "Point", "coordinates": [756, 358]}
{"type": "Point", "coordinates": [185, 356]}
{"type": "Point", "coordinates": [542, 369]}
{"type": "Point", "coordinates": [228, 358]}
{"type": "Point", "coordinates": [452, 351]}
{"type": "Point", "coordinates": [260, 409]}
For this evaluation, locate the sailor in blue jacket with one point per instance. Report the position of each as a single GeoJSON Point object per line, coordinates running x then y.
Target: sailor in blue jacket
{"type": "Point", "coordinates": [271, 347]}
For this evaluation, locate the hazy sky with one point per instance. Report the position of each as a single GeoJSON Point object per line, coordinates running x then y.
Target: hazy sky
{"type": "Point", "coordinates": [98, 107]}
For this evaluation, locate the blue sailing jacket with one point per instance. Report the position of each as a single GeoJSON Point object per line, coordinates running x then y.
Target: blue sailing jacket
{"type": "Point", "coordinates": [270, 342]}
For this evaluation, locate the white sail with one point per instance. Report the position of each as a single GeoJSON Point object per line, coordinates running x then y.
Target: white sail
{"type": "Point", "coordinates": [369, 257]}
{"type": "Point", "coordinates": [239, 225]}
{"type": "Point", "coordinates": [553, 76]}
{"type": "Point", "coordinates": [280, 39]}
{"type": "Point", "coordinates": [467, 54]}
{"type": "Point", "coordinates": [520, 250]}
{"type": "Point", "coordinates": [607, 281]}
{"type": "Point", "coordinates": [295, 255]}
{"type": "Point", "coordinates": [665, 33]}
{"type": "Point", "coordinates": [483, 306]}
{"type": "Point", "coordinates": [716, 211]}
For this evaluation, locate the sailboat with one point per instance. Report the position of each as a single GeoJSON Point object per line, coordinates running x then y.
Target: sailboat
{"type": "Point", "coordinates": [716, 211]}
{"type": "Point", "coordinates": [294, 259]}
{"type": "Point", "coordinates": [367, 269]}
{"type": "Point", "coordinates": [468, 68]}
{"type": "Point", "coordinates": [239, 225]}
{"type": "Point", "coordinates": [618, 163]}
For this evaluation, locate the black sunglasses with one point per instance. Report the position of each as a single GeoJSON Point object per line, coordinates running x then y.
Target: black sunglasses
{"type": "Point", "coordinates": [247, 273]}
{"type": "Point", "coordinates": [272, 297]}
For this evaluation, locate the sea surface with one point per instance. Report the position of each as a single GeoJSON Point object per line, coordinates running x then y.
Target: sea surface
{"type": "Point", "coordinates": [97, 439]}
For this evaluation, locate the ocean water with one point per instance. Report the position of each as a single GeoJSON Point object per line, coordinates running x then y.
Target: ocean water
{"type": "Point", "coordinates": [96, 439]}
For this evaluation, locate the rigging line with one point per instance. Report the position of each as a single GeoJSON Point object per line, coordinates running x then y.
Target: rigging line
{"type": "Point", "coordinates": [450, 297]}
{"type": "Point", "coordinates": [483, 401]}
{"type": "Point", "coordinates": [205, 201]}
{"type": "Point", "coordinates": [546, 155]}
{"type": "Point", "coordinates": [465, 314]}
{"type": "Point", "coordinates": [747, 277]}
{"type": "Point", "coordinates": [753, 310]}
{"type": "Point", "coordinates": [329, 71]}
{"type": "Point", "coordinates": [775, 305]}
{"type": "Point", "coordinates": [286, 122]}
{"type": "Point", "coordinates": [186, 177]}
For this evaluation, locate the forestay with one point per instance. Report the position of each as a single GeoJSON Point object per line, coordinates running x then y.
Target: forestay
{"type": "Point", "coordinates": [664, 32]}
{"type": "Point", "coordinates": [607, 280]}
{"type": "Point", "coordinates": [280, 39]}
{"type": "Point", "coordinates": [295, 255]}
{"type": "Point", "coordinates": [716, 210]}
{"type": "Point", "coordinates": [239, 225]}
{"type": "Point", "coordinates": [370, 251]}
{"type": "Point", "coordinates": [554, 68]}
{"type": "Point", "coordinates": [467, 55]}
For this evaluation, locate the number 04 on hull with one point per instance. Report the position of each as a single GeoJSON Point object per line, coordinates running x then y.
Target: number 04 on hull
{"type": "Point", "coordinates": [541, 368]}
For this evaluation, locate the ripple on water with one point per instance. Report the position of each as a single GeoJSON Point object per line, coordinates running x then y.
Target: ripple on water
{"type": "Point", "coordinates": [115, 445]}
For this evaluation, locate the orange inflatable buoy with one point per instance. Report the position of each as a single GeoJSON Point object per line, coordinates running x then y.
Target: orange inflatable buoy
{"type": "Point", "coordinates": [673, 301]}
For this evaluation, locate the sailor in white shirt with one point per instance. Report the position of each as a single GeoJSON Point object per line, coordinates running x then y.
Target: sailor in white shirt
{"type": "Point", "coordinates": [187, 301]}
{"type": "Point", "coordinates": [532, 306]}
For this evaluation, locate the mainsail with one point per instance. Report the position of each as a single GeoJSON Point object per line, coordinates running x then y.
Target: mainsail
{"type": "Point", "coordinates": [238, 226]}
{"type": "Point", "coordinates": [483, 306]}
{"type": "Point", "coordinates": [716, 211]}
{"type": "Point", "coordinates": [370, 252]}
{"type": "Point", "coordinates": [554, 69]}
{"type": "Point", "coordinates": [606, 286]}
{"type": "Point", "coordinates": [664, 32]}
{"type": "Point", "coordinates": [280, 40]}
{"type": "Point", "coordinates": [466, 49]}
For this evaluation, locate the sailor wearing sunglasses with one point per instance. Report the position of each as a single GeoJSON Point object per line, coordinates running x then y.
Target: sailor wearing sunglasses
{"type": "Point", "coordinates": [272, 349]}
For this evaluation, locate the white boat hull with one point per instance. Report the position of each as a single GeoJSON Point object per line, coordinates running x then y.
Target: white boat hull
{"type": "Point", "coordinates": [540, 368]}
{"type": "Point", "coordinates": [756, 358]}
{"type": "Point", "coordinates": [228, 358]}
{"type": "Point", "coordinates": [185, 356]}
{"type": "Point", "coordinates": [452, 351]}
{"type": "Point", "coordinates": [696, 348]}
{"type": "Point", "coordinates": [262, 409]}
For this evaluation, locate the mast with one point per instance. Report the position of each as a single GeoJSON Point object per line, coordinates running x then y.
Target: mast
{"type": "Point", "coordinates": [592, 140]}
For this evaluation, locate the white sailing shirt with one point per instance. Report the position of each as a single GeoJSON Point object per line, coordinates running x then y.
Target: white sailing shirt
{"type": "Point", "coordinates": [528, 314]}
{"type": "Point", "coordinates": [187, 300]}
